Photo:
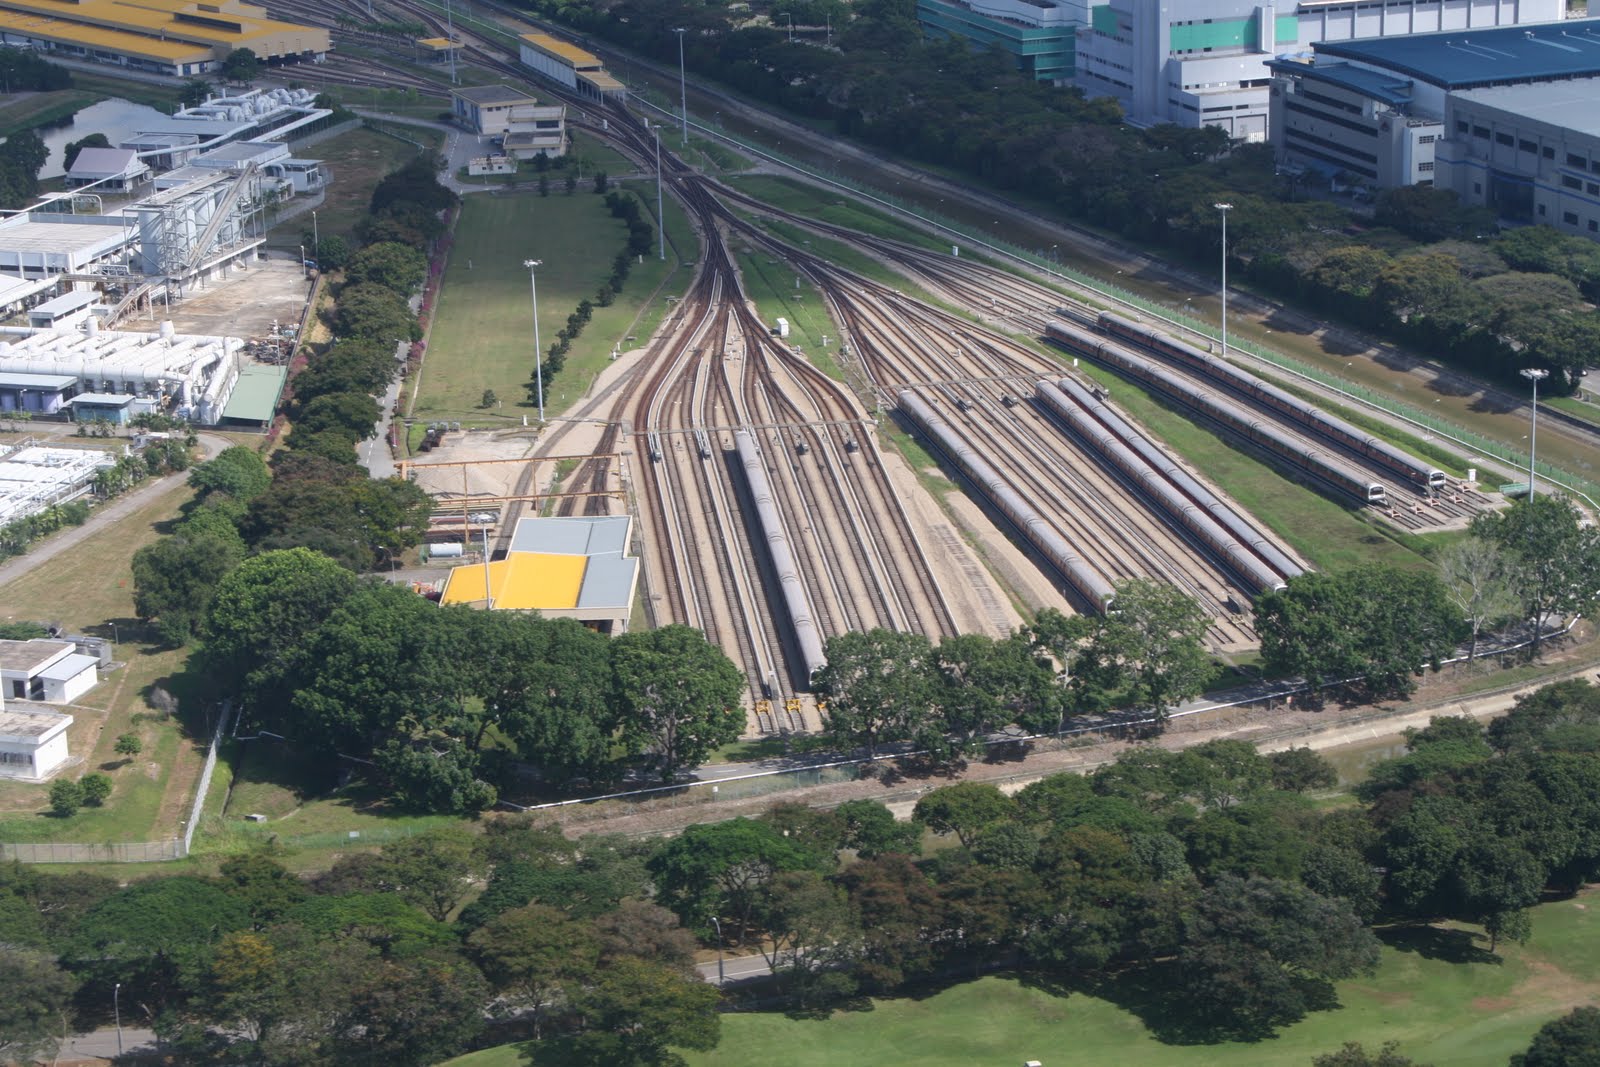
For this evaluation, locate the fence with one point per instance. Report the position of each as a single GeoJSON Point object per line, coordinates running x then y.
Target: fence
{"type": "Point", "coordinates": [205, 777]}
{"type": "Point", "coordinates": [114, 852]}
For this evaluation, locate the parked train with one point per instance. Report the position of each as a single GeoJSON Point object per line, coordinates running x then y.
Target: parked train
{"type": "Point", "coordinates": [797, 605]}
{"type": "Point", "coordinates": [1315, 461]}
{"type": "Point", "coordinates": [1088, 418]}
{"type": "Point", "coordinates": [1370, 448]}
{"type": "Point", "coordinates": [1083, 578]}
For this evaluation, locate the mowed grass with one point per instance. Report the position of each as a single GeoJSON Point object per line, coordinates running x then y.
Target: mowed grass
{"type": "Point", "coordinates": [482, 332]}
{"type": "Point", "coordinates": [1466, 1014]}
{"type": "Point", "coordinates": [88, 588]}
{"type": "Point", "coordinates": [25, 112]}
{"type": "Point", "coordinates": [1325, 532]}
{"type": "Point", "coordinates": [832, 206]}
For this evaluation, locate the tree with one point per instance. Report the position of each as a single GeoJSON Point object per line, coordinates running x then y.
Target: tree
{"type": "Point", "coordinates": [1299, 770]}
{"type": "Point", "coordinates": [872, 830]}
{"type": "Point", "coordinates": [488, 400]}
{"type": "Point", "coordinates": [263, 613]}
{"type": "Point", "coordinates": [533, 954]}
{"type": "Point", "coordinates": [128, 745]}
{"type": "Point", "coordinates": [637, 1012]}
{"type": "Point", "coordinates": [241, 65]}
{"type": "Point", "coordinates": [1353, 1055]}
{"type": "Point", "coordinates": [963, 809]}
{"type": "Point", "coordinates": [648, 932]}
{"type": "Point", "coordinates": [389, 264]}
{"type": "Point", "coordinates": [676, 695]}
{"type": "Point", "coordinates": [433, 869]}
{"type": "Point", "coordinates": [175, 579]}
{"type": "Point", "coordinates": [720, 870]}
{"type": "Point", "coordinates": [600, 181]}
{"type": "Point", "coordinates": [237, 471]}
{"type": "Point", "coordinates": [66, 797]}
{"type": "Point", "coordinates": [1474, 574]}
{"type": "Point", "coordinates": [69, 154]}
{"type": "Point", "coordinates": [415, 1011]}
{"type": "Point", "coordinates": [266, 887]}
{"type": "Point", "coordinates": [1156, 639]}
{"type": "Point", "coordinates": [1570, 1041]}
{"type": "Point", "coordinates": [1260, 953]}
{"type": "Point", "coordinates": [34, 1013]}
{"type": "Point", "coordinates": [95, 788]}
{"type": "Point", "coordinates": [1374, 624]}
{"type": "Point", "coordinates": [1553, 561]}
{"type": "Point", "coordinates": [878, 686]}
{"type": "Point", "coordinates": [1514, 924]}
{"type": "Point", "coordinates": [813, 933]}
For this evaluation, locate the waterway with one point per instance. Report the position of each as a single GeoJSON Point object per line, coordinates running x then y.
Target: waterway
{"type": "Point", "coordinates": [117, 118]}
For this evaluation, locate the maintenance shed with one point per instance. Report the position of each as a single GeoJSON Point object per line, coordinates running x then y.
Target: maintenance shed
{"type": "Point", "coordinates": [566, 568]}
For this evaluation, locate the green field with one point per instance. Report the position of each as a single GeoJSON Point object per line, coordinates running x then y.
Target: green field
{"type": "Point", "coordinates": [482, 332]}
{"type": "Point", "coordinates": [1464, 1014]}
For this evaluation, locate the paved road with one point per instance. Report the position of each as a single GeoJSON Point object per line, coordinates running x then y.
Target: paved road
{"type": "Point", "coordinates": [104, 515]}
{"type": "Point", "coordinates": [375, 453]}
{"type": "Point", "coordinates": [102, 1045]}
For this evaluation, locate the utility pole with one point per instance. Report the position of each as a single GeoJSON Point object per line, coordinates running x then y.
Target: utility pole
{"type": "Point", "coordinates": [1224, 208]}
{"type": "Point", "coordinates": [683, 85]}
{"type": "Point", "coordinates": [450, 29]}
{"type": "Point", "coordinates": [661, 219]}
{"type": "Point", "coordinates": [538, 356]}
{"type": "Point", "coordinates": [1535, 376]}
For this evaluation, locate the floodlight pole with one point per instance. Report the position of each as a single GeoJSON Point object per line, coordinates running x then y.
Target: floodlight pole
{"type": "Point", "coordinates": [1535, 376]}
{"type": "Point", "coordinates": [538, 356]}
{"type": "Point", "coordinates": [722, 978]}
{"type": "Point", "coordinates": [450, 29]}
{"type": "Point", "coordinates": [683, 85]}
{"type": "Point", "coordinates": [661, 219]}
{"type": "Point", "coordinates": [316, 239]}
{"type": "Point", "coordinates": [1224, 208]}
{"type": "Point", "coordinates": [116, 1008]}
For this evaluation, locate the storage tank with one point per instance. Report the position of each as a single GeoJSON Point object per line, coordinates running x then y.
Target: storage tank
{"type": "Point", "coordinates": [446, 550]}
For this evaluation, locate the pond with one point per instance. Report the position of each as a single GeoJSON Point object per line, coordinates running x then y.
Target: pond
{"type": "Point", "coordinates": [118, 119]}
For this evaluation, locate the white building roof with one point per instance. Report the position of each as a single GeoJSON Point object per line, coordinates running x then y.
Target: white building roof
{"type": "Point", "coordinates": [30, 729]}
{"type": "Point", "coordinates": [68, 668]}
{"type": "Point", "coordinates": [93, 164]}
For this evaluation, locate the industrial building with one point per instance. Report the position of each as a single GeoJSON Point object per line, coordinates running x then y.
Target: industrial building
{"type": "Point", "coordinates": [1503, 117]}
{"type": "Point", "coordinates": [51, 671]}
{"type": "Point", "coordinates": [116, 169]}
{"type": "Point", "coordinates": [564, 568]}
{"type": "Point", "coordinates": [40, 244]}
{"type": "Point", "coordinates": [1205, 62]}
{"type": "Point", "coordinates": [33, 741]}
{"type": "Point", "coordinates": [569, 65]}
{"type": "Point", "coordinates": [34, 477]}
{"type": "Point", "coordinates": [185, 375]}
{"type": "Point", "coordinates": [519, 124]}
{"type": "Point", "coordinates": [180, 38]}
{"type": "Point", "coordinates": [1041, 35]}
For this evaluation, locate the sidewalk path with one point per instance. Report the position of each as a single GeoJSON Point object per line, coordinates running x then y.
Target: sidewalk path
{"type": "Point", "coordinates": [103, 516]}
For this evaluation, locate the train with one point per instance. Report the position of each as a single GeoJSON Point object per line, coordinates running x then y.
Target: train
{"type": "Point", "coordinates": [1083, 578]}
{"type": "Point", "coordinates": [1378, 452]}
{"type": "Point", "coordinates": [797, 605]}
{"type": "Point", "coordinates": [1108, 433]}
{"type": "Point", "coordinates": [1263, 433]}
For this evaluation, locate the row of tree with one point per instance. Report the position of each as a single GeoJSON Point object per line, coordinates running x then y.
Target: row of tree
{"type": "Point", "coordinates": [1430, 271]}
{"type": "Point", "coordinates": [1370, 631]}
{"type": "Point", "coordinates": [451, 705]}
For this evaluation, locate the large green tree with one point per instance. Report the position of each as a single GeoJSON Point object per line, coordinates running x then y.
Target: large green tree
{"type": "Point", "coordinates": [676, 696]}
{"type": "Point", "coordinates": [35, 1012]}
{"type": "Point", "coordinates": [1155, 641]}
{"type": "Point", "coordinates": [1553, 560]}
{"type": "Point", "coordinates": [1570, 1041]}
{"type": "Point", "coordinates": [878, 685]}
{"type": "Point", "coordinates": [721, 870]}
{"type": "Point", "coordinates": [175, 579]}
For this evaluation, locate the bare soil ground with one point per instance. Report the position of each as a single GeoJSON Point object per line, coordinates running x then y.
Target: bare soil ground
{"type": "Point", "coordinates": [243, 302]}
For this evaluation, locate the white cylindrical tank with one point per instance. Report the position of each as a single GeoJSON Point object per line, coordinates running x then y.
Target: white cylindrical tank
{"type": "Point", "coordinates": [446, 550]}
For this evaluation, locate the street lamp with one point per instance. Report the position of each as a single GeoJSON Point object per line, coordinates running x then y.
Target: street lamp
{"type": "Point", "coordinates": [1535, 376]}
{"type": "Point", "coordinates": [683, 85]}
{"type": "Point", "coordinates": [316, 238]}
{"type": "Point", "coordinates": [661, 219]}
{"type": "Point", "coordinates": [538, 356]}
{"type": "Point", "coordinates": [116, 1007]}
{"type": "Point", "coordinates": [721, 978]}
{"type": "Point", "coordinates": [1224, 208]}
{"type": "Point", "coordinates": [304, 270]}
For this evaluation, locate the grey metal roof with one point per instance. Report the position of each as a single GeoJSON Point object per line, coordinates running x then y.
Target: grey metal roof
{"type": "Point", "coordinates": [1568, 104]}
{"type": "Point", "coordinates": [109, 400]}
{"type": "Point", "coordinates": [68, 668]}
{"type": "Point", "coordinates": [493, 94]}
{"type": "Point", "coordinates": [1387, 88]}
{"type": "Point", "coordinates": [1463, 59]}
{"type": "Point", "coordinates": [55, 382]}
{"type": "Point", "coordinates": [608, 582]}
{"type": "Point", "coordinates": [576, 536]}
{"type": "Point", "coordinates": [66, 303]}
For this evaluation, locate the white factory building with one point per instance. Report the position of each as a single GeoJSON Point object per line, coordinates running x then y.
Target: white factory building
{"type": "Point", "coordinates": [1197, 62]}
{"type": "Point", "coordinates": [187, 375]}
{"type": "Point", "coordinates": [33, 742]}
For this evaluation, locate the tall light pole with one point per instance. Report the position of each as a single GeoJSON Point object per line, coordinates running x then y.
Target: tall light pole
{"type": "Point", "coordinates": [1535, 376]}
{"type": "Point", "coordinates": [450, 28]}
{"type": "Point", "coordinates": [722, 979]}
{"type": "Point", "coordinates": [791, 26]}
{"type": "Point", "coordinates": [316, 239]}
{"type": "Point", "coordinates": [116, 1007]}
{"type": "Point", "coordinates": [538, 356]}
{"type": "Point", "coordinates": [683, 85]}
{"type": "Point", "coordinates": [661, 219]}
{"type": "Point", "coordinates": [1224, 208]}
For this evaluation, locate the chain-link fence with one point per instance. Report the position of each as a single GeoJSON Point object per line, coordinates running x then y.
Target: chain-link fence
{"type": "Point", "coordinates": [112, 852]}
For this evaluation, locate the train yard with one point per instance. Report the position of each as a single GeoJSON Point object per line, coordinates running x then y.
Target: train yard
{"type": "Point", "coordinates": [770, 517]}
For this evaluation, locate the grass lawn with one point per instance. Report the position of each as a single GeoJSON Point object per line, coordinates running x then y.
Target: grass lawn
{"type": "Point", "coordinates": [35, 109]}
{"type": "Point", "coordinates": [1466, 1014]}
{"type": "Point", "coordinates": [1328, 534]}
{"type": "Point", "coordinates": [358, 160]}
{"type": "Point", "coordinates": [90, 588]}
{"type": "Point", "coordinates": [481, 338]}
{"type": "Point", "coordinates": [832, 206]}
{"type": "Point", "coordinates": [770, 284]}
